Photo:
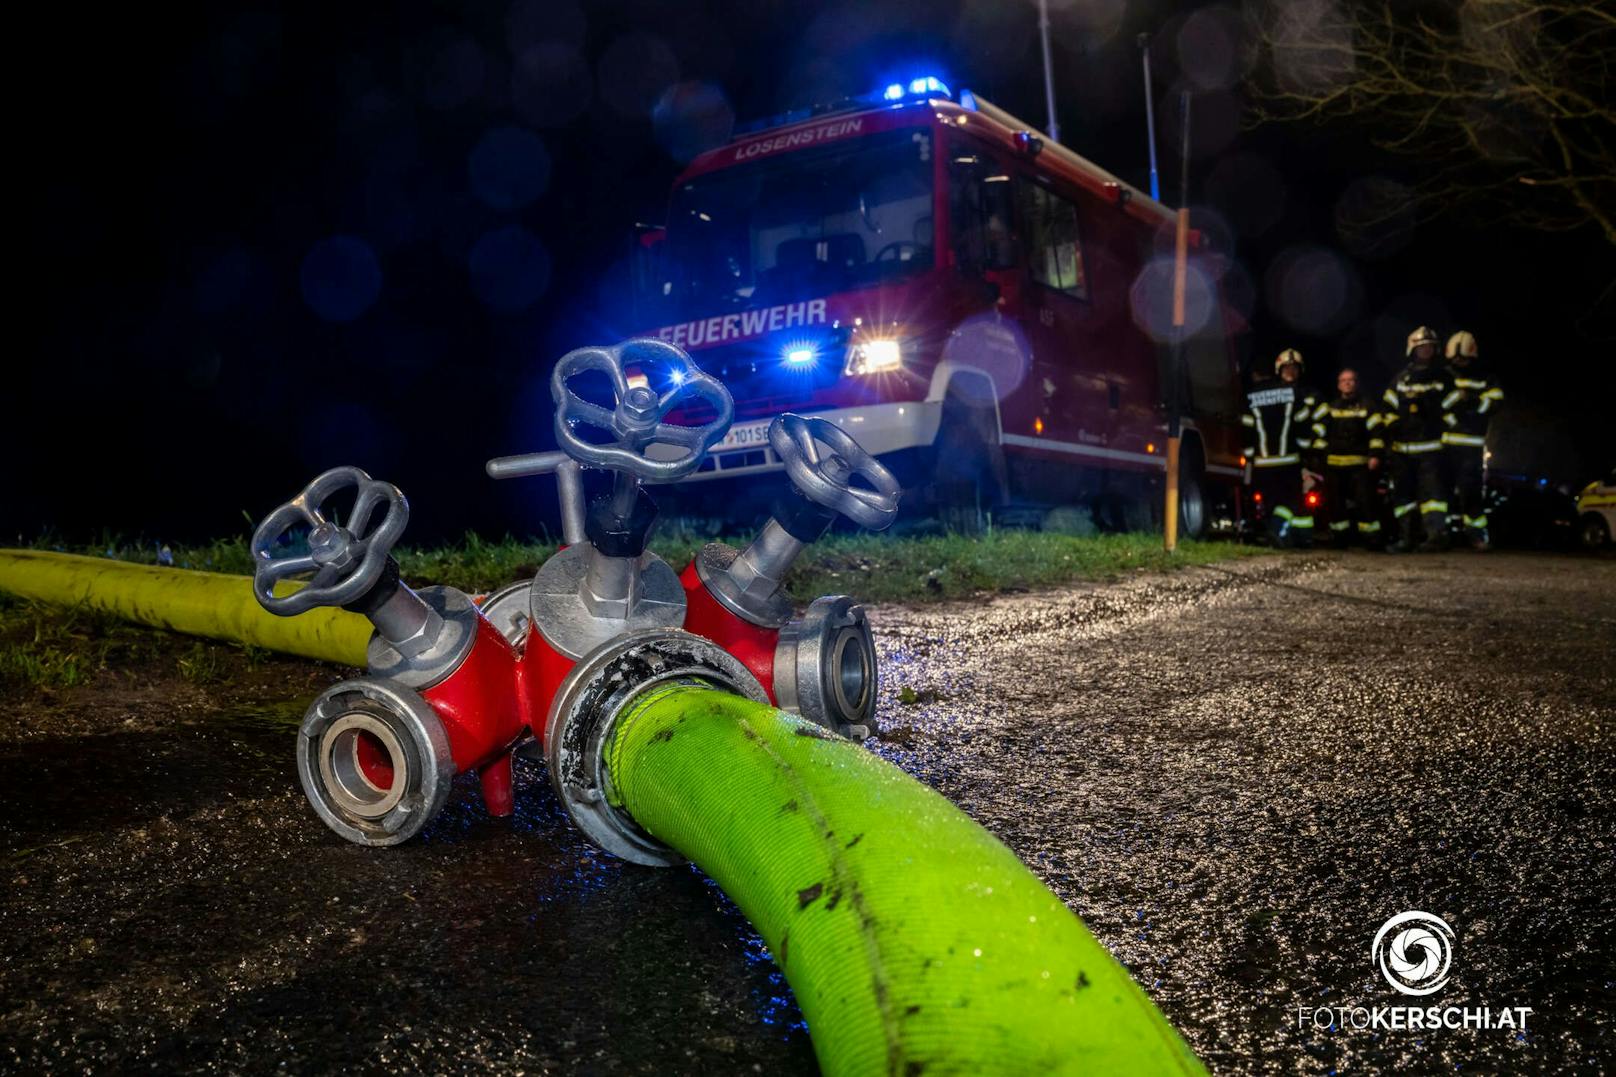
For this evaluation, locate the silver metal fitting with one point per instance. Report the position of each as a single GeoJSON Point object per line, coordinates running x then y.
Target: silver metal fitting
{"type": "Point", "coordinates": [408, 622]}
{"type": "Point", "coordinates": [508, 609]}
{"type": "Point", "coordinates": [436, 647]}
{"type": "Point", "coordinates": [749, 583]}
{"type": "Point", "coordinates": [585, 712]}
{"type": "Point", "coordinates": [374, 761]}
{"type": "Point", "coordinates": [569, 484]}
{"type": "Point", "coordinates": [611, 586]}
{"type": "Point", "coordinates": [825, 667]}
{"type": "Point", "coordinates": [578, 603]}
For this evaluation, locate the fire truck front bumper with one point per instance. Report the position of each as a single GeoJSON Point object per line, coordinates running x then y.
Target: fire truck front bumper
{"type": "Point", "coordinates": [883, 429]}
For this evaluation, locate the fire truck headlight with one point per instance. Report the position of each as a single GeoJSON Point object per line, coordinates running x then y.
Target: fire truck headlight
{"type": "Point", "coordinates": [875, 356]}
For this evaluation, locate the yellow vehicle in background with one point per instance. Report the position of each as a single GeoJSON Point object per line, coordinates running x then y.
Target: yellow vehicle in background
{"type": "Point", "coordinates": [1596, 512]}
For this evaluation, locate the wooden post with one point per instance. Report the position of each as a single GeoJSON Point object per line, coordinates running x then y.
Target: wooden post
{"type": "Point", "coordinates": [1175, 366]}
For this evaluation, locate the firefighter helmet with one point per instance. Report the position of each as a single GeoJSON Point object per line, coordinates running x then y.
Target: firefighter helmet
{"type": "Point", "coordinates": [1423, 335]}
{"type": "Point", "coordinates": [1289, 355]}
{"type": "Point", "coordinates": [1462, 343]}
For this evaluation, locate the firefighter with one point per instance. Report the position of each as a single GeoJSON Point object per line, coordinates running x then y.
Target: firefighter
{"type": "Point", "coordinates": [1346, 433]}
{"type": "Point", "coordinates": [1278, 426]}
{"type": "Point", "coordinates": [1471, 403]}
{"type": "Point", "coordinates": [1415, 419]}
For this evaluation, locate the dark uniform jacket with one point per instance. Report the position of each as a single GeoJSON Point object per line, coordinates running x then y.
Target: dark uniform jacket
{"type": "Point", "coordinates": [1278, 422]}
{"type": "Point", "coordinates": [1473, 399]}
{"type": "Point", "coordinates": [1417, 410]}
{"type": "Point", "coordinates": [1346, 431]}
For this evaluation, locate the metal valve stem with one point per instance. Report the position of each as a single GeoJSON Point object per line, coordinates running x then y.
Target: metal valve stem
{"type": "Point", "coordinates": [407, 622]}
{"type": "Point", "coordinates": [761, 568]}
{"type": "Point", "coordinates": [611, 585]}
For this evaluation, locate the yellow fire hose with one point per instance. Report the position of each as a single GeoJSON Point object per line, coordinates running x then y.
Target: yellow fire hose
{"type": "Point", "coordinates": [209, 604]}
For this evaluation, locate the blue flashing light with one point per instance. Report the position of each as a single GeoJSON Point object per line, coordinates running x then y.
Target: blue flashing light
{"type": "Point", "coordinates": [799, 355]}
{"type": "Point", "coordinates": [921, 86]}
{"type": "Point", "coordinates": [677, 377]}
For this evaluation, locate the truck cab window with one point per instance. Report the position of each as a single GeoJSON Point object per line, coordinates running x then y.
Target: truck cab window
{"type": "Point", "coordinates": [847, 215]}
{"type": "Point", "coordinates": [979, 210]}
{"type": "Point", "coordinates": [1054, 249]}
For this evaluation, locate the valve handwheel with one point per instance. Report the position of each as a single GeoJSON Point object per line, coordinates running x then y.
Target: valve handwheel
{"type": "Point", "coordinates": [635, 423]}
{"type": "Point", "coordinates": [826, 479]}
{"type": "Point", "coordinates": [346, 560]}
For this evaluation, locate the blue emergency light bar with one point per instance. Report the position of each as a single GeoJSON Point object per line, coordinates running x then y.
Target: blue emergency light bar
{"type": "Point", "coordinates": [924, 86]}
{"type": "Point", "coordinates": [920, 88]}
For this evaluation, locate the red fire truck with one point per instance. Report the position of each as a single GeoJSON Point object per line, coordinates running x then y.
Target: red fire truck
{"type": "Point", "coordinates": [985, 311]}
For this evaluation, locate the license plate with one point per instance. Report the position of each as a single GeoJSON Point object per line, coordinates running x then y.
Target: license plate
{"type": "Point", "coordinates": [744, 436]}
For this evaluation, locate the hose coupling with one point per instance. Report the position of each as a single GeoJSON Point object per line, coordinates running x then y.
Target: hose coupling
{"type": "Point", "coordinates": [586, 710]}
{"type": "Point", "coordinates": [825, 666]}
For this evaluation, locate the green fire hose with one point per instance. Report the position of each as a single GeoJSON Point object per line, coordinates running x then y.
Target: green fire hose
{"type": "Point", "coordinates": [915, 942]}
{"type": "Point", "coordinates": [207, 604]}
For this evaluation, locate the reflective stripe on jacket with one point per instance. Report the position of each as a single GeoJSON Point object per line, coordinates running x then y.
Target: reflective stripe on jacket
{"type": "Point", "coordinates": [1278, 422]}
{"type": "Point", "coordinates": [1347, 428]}
{"type": "Point", "coordinates": [1473, 400]}
{"type": "Point", "coordinates": [1418, 409]}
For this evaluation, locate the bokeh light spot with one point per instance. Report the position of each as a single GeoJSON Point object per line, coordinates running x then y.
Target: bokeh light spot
{"type": "Point", "coordinates": [1313, 47]}
{"type": "Point", "coordinates": [550, 84]}
{"type": "Point", "coordinates": [1313, 290]}
{"type": "Point", "coordinates": [634, 71]}
{"type": "Point", "coordinates": [1212, 50]}
{"type": "Point", "coordinates": [691, 118]}
{"type": "Point", "coordinates": [509, 168]}
{"type": "Point", "coordinates": [1151, 299]}
{"type": "Point", "coordinates": [994, 345]}
{"type": "Point", "coordinates": [1098, 20]}
{"type": "Point", "coordinates": [340, 278]}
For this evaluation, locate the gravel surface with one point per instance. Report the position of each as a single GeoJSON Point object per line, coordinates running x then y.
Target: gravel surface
{"type": "Point", "coordinates": [1234, 774]}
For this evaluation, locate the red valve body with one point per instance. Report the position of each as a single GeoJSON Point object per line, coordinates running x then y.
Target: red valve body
{"type": "Point", "coordinates": [483, 712]}
{"type": "Point", "coordinates": [752, 644]}
{"type": "Point", "coordinates": [543, 670]}
{"type": "Point", "coordinates": [498, 693]}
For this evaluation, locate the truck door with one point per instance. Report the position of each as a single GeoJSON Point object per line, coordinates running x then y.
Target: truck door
{"type": "Point", "coordinates": [988, 334]}
{"type": "Point", "coordinates": [1078, 402]}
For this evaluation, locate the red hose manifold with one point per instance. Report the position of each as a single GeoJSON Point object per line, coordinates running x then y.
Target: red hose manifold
{"type": "Point", "coordinates": [455, 686]}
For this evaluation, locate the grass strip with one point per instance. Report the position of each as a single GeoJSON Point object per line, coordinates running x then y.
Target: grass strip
{"type": "Point", "coordinates": [50, 648]}
{"type": "Point", "coordinates": [878, 568]}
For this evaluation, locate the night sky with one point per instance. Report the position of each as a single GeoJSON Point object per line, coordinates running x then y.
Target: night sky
{"type": "Point", "coordinates": [260, 242]}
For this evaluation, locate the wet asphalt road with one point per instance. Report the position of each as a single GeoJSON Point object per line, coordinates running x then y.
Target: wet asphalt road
{"type": "Point", "coordinates": [1234, 774]}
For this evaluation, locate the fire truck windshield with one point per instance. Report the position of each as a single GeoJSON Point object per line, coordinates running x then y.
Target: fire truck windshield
{"type": "Point", "coordinates": [801, 224]}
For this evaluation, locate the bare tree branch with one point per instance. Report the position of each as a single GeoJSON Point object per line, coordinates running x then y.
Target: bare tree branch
{"type": "Point", "coordinates": [1504, 101]}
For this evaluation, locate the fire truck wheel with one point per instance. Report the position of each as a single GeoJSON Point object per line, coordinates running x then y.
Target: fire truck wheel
{"type": "Point", "coordinates": [1192, 508]}
{"type": "Point", "coordinates": [966, 482]}
{"type": "Point", "coordinates": [1125, 509]}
